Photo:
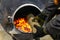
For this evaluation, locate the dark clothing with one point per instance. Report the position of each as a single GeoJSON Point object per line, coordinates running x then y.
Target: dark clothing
{"type": "Point", "coordinates": [53, 25]}
{"type": "Point", "coordinates": [50, 11]}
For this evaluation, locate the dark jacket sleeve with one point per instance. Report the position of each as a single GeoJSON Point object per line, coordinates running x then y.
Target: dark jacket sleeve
{"type": "Point", "coordinates": [50, 11]}
{"type": "Point", "coordinates": [53, 27]}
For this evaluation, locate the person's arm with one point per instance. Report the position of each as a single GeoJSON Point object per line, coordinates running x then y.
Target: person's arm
{"type": "Point", "coordinates": [50, 11]}
{"type": "Point", "coordinates": [53, 27]}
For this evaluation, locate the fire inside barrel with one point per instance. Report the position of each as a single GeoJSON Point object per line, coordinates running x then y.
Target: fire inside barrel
{"type": "Point", "coordinates": [22, 25]}
{"type": "Point", "coordinates": [22, 15]}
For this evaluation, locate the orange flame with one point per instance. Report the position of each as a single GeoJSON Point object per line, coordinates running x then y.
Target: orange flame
{"type": "Point", "coordinates": [22, 25]}
{"type": "Point", "coordinates": [56, 2]}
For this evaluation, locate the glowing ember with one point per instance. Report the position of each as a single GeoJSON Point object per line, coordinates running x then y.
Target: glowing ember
{"type": "Point", "coordinates": [22, 25]}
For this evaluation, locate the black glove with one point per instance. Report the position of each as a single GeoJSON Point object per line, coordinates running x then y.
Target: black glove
{"type": "Point", "coordinates": [39, 32]}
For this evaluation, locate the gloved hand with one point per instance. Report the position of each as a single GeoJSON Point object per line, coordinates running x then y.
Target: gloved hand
{"type": "Point", "coordinates": [35, 25]}
{"type": "Point", "coordinates": [39, 32]}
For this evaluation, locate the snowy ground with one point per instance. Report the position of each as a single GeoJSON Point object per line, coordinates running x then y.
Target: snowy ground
{"type": "Point", "coordinates": [4, 35]}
